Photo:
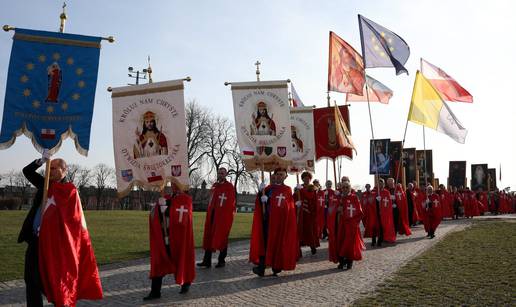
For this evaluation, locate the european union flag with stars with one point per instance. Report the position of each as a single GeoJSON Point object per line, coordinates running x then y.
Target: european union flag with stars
{"type": "Point", "coordinates": [50, 89]}
{"type": "Point", "coordinates": [382, 47]}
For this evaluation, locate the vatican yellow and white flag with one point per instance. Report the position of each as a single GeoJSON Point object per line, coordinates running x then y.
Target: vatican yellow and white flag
{"type": "Point", "coordinates": [149, 136]}
{"type": "Point", "coordinates": [303, 144]}
{"type": "Point", "coordinates": [262, 120]}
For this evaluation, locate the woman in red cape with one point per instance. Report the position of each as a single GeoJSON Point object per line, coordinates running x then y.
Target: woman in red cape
{"type": "Point", "coordinates": [306, 199]}
{"type": "Point", "coordinates": [174, 253]}
{"type": "Point", "coordinates": [274, 240]}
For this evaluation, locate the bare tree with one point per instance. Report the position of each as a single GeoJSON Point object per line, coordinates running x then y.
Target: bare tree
{"type": "Point", "coordinates": [103, 177]}
{"type": "Point", "coordinates": [221, 137]}
{"type": "Point", "coordinates": [237, 170]}
{"type": "Point", "coordinates": [81, 180]}
{"type": "Point", "coordinates": [197, 120]}
{"type": "Point", "coordinates": [72, 171]}
{"type": "Point", "coordinates": [22, 185]}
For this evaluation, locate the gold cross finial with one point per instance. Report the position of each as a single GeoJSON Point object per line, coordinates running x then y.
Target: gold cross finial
{"type": "Point", "coordinates": [63, 18]}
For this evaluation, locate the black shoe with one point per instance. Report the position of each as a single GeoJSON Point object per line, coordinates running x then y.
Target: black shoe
{"type": "Point", "coordinates": [373, 244]}
{"type": "Point", "coordinates": [349, 265]}
{"type": "Point", "coordinates": [184, 288]}
{"type": "Point", "coordinates": [313, 250]}
{"type": "Point", "coordinates": [340, 266]}
{"type": "Point", "coordinates": [221, 264]}
{"type": "Point", "coordinates": [258, 271]}
{"type": "Point", "coordinates": [204, 264]}
{"type": "Point", "coordinates": [432, 236]}
{"type": "Point", "coordinates": [152, 296]}
{"type": "Point", "coordinates": [275, 272]}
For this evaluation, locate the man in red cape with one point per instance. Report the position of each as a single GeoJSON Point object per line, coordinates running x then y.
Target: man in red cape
{"type": "Point", "coordinates": [306, 201]}
{"type": "Point", "coordinates": [470, 204]}
{"type": "Point", "coordinates": [419, 198]}
{"type": "Point", "coordinates": [346, 242]}
{"type": "Point", "coordinates": [370, 219]}
{"type": "Point", "coordinates": [384, 210]}
{"type": "Point", "coordinates": [456, 199]}
{"type": "Point", "coordinates": [328, 197]}
{"type": "Point", "coordinates": [401, 200]}
{"type": "Point", "coordinates": [219, 219]}
{"type": "Point", "coordinates": [445, 200]}
{"type": "Point", "coordinates": [482, 199]}
{"type": "Point", "coordinates": [171, 242]}
{"type": "Point", "coordinates": [433, 212]}
{"type": "Point", "coordinates": [274, 240]}
{"type": "Point", "coordinates": [65, 260]}
{"type": "Point", "coordinates": [412, 204]}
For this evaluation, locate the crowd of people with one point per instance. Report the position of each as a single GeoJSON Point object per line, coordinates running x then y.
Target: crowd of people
{"type": "Point", "coordinates": [60, 262]}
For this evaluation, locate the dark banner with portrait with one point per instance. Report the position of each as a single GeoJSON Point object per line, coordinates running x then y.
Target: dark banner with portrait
{"type": "Point", "coordinates": [457, 174]}
{"type": "Point", "coordinates": [420, 156]}
{"type": "Point", "coordinates": [479, 177]}
{"type": "Point", "coordinates": [491, 179]}
{"type": "Point", "coordinates": [379, 157]}
{"type": "Point", "coordinates": [395, 153]}
{"type": "Point", "coordinates": [410, 164]}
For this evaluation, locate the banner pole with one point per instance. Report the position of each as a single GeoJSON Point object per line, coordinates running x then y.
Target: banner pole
{"type": "Point", "coordinates": [401, 153]}
{"type": "Point", "coordinates": [424, 155]}
{"type": "Point", "coordinates": [45, 187]}
{"type": "Point", "coordinates": [372, 136]}
{"type": "Point", "coordinates": [334, 173]}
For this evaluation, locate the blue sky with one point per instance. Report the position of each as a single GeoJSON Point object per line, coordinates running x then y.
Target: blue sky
{"type": "Point", "coordinates": [217, 41]}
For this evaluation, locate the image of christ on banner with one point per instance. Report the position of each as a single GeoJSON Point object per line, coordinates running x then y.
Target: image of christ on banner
{"type": "Point", "coordinates": [151, 141]}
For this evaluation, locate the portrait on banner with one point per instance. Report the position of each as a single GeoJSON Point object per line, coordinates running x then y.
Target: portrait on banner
{"type": "Point", "coordinates": [379, 157]}
{"type": "Point", "coordinates": [479, 177]}
{"type": "Point", "coordinates": [457, 174]}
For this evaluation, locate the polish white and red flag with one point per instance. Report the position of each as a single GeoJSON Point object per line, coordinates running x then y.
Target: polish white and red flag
{"type": "Point", "coordinates": [48, 134]}
{"type": "Point", "coordinates": [444, 84]}
{"type": "Point", "coordinates": [296, 101]}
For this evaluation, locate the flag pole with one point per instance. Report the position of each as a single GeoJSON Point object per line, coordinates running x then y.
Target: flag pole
{"type": "Point", "coordinates": [62, 19]}
{"type": "Point", "coordinates": [401, 153]}
{"type": "Point", "coordinates": [372, 136]}
{"type": "Point", "coordinates": [424, 155]}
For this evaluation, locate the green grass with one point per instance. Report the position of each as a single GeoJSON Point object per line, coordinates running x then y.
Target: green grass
{"type": "Point", "coordinates": [474, 267]}
{"type": "Point", "coordinates": [115, 235]}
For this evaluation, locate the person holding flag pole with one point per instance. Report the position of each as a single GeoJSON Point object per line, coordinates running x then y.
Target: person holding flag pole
{"type": "Point", "coordinates": [59, 260]}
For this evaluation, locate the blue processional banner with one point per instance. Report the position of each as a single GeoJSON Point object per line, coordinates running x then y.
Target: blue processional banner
{"type": "Point", "coordinates": [50, 89]}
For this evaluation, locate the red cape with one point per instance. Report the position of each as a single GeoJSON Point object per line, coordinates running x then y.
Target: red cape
{"type": "Point", "coordinates": [67, 263]}
{"type": "Point", "coordinates": [419, 203]}
{"type": "Point", "coordinates": [401, 202]}
{"type": "Point", "coordinates": [349, 241]}
{"type": "Point", "coordinates": [181, 261]}
{"type": "Point", "coordinates": [433, 213]}
{"type": "Point", "coordinates": [415, 203]}
{"type": "Point", "coordinates": [219, 216]}
{"type": "Point", "coordinates": [307, 219]}
{"type": "Point", "coordinates": [282, 244]}
{"type": "Point", "coordinates": [387, 221]}
{"type": "Point", "coordinates": [482, 199]}
{"type": "Point", "coordinates": [370, 219]}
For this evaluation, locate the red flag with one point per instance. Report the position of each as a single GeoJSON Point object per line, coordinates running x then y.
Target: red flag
{"type": "Point", "coordinates": [375, 89]}
{"type": "Point", "coordinates": [219, 216]}
{"type": "Point", "coordinates": [446, 86]}
{"type": "Point", "coordinates": [345, 67]}
{"type": "Point", "coordinates": [325, 133]}
{"type": "Point", "coordinates": [67, 263]}
{"type": "Point", "coordinates": [343, 133]}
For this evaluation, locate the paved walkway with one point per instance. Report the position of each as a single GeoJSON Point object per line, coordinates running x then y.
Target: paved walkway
{"type": "Point", "coordinates": [315, 281]}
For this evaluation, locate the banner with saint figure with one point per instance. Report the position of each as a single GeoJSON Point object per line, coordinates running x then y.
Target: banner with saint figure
{"type": "Point", "coordinates": [457, 174]}
{"type": "Point", "coordinates": [326, 133]}
{"type": "Point", "coordinates": [149, 136]}
{"type": "Point", "coordinates": [410, 164]}
{"type": "Point", "coordinates": [425, 177]}
{"type": "Point", "coordinates": [479, 177]}
{"type": "Point", "coordinates": [262, 120]}
{"type": "Point", "coordinates": [303, 145]}
{"type": "Point", "coordinates": [50, 89]}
